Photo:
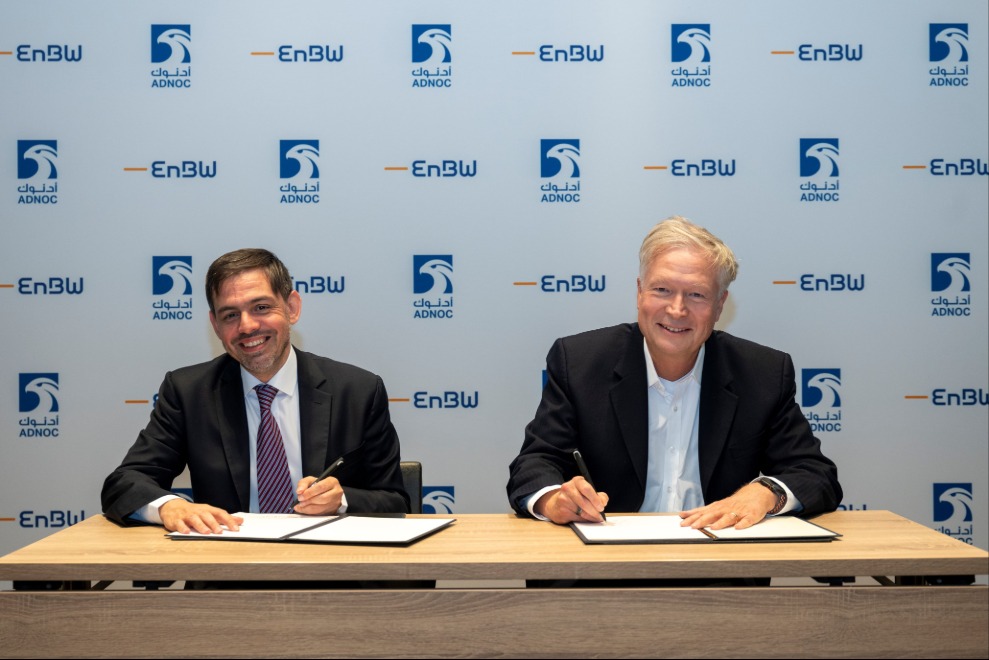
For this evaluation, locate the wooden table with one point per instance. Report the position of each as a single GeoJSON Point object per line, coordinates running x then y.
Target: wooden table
{"type": "Point", "coordinates": [898, 616]}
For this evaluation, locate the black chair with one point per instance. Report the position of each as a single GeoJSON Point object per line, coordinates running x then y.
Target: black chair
{"type": "Point", "coordinates": [412, 476]}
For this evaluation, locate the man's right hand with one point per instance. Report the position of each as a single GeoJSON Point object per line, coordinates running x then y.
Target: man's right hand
{"type": "Point", "coordinates": [181, 516]}
{"type": "Point", "coordinates": [575, 501]}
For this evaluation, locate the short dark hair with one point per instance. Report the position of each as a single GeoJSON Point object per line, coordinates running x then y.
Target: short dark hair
{"type": "Point", "coordinates": [239, 261]}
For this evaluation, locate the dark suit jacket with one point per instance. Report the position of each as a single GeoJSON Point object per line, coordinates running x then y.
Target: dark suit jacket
{"type": "Point", "coordinates": [200, 420]}
{"type": "Point", "coordinates": [596, 400]}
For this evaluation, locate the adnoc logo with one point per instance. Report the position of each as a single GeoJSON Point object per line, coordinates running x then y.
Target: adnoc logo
{"type": "Point", "coordinates": [821, 392]}
{"type": "Point", "coordinates": [38, 399]}
{"type": "Point", "coordinates": [559, 161]}
{"type": "Point", "coordinates": [950, 279]}
{"type": "Point", "coordinates": [948, 44]}
{"type": "Point", "coordinates": [432, 285]}
{"type": "Point", "coordinates": [690, 50]}
{"type": "Point", "coordinates": [431, 51]}
{"type": "Point", "coordinates": [171, 51]}
{"type": "Point", "coordinates": [819, 165]}
{"type": "Point", "coordinates": [438, 499]}
{"type": "Point", "coordinates": [299, 165]}
{"type": "Point", "coordinates": [37, 167]}
{"type": "Point", "coordinates": [172, 285]}
{"type": "Point", "coordinates": [953, 509]}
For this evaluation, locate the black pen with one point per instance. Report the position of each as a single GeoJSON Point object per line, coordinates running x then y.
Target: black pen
{"type": "Point", "coordinates": [327, 472]}
{"type": "Point", "coordinates": [587, 475]}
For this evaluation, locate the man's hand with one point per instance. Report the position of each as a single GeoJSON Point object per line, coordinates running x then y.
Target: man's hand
{"type": "Point", "coordinates": [320, 498]}
{"type": "Point", "coordinates": [178, 515]}
{"type": "Point", "coordinates": [576, 500]}
{"type": "Point", "coordinates": [746, 507]}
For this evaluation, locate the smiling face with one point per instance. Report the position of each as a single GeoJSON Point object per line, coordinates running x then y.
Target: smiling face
{"type": "Point", "coordinates": [679, 302]}
{"type": "Point", "coordinates": [254, 323]}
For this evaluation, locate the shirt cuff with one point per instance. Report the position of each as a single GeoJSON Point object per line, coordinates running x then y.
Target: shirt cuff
{"type": "Point", "coordinates": [530, 501]}
{"type": "Point", "coordinates": [149, 512]}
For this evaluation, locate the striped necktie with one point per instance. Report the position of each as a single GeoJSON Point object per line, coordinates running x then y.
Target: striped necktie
{"type": "Point", "coordinates": [274, 481]}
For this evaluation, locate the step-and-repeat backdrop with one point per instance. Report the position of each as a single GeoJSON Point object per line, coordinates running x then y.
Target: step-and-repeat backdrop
{"type": "Point", "coordinates": [454, 185]}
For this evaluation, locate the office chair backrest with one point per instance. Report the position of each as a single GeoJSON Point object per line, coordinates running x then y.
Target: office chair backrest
{"type": "Point", "coordinates": [412, 476]}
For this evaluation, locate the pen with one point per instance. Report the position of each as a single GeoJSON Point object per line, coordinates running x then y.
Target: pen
{"type": "Point", "coordinates": [327, 472]}
{"type": "Point", "coordinates": [587, 475]}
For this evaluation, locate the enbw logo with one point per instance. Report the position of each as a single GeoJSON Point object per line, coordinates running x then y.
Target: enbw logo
{"type": "Point", "coordinates": [832, 282]}
{"type": "Point", "coordinates": [821, 391]}
{"type": "Point", "coordinates": [829, 53]}
{"type": "Point", "coordinates": [432, 284]}
{"type": "Point", "coordinates": [819, 163]}
{"type": "Point", "coordinates": [320, 284]}
{"type": "Point", "coordinates": [38, 397]}
{"type": "Point", "coordinates": [448, 400]}
{"type": "Point", "coordinates": [437, 499]}
{"type": "Point", "coordinates": [572, 284]}
{"type": "Point", "coordinates": [953, 503]}
{"type": "Point", "coordinates": [571, 53]}
{"type": "Point", "coordinates": [53, 286]}
{"type": "Point", "coordinates": [704, 167]}
{"type": "Point", "coordinates": [950, 273]}
{"type": "Point", "coordinates": [948, 44]}
{"type": "Point", "coordinates": [559, 161]}
{"type": "Point", "coordinates": [690, 46]}
{"type": "Point", "coordinates": [299, 163]}
{"type": "Point", "coordinates": [49, 53]}
{"type": "Point", "coordinates": [310, 53]}
{"type": "Point", "coordinates": [37, 166]}
{"type": "Point", "coordinates": [170, 50]}
{"type": "Point", "coordinates": [172, 276]}
{"type": "Point", "coordinates": [960, 167]}
{"type": "Point", "coordinates": [431, 50]}
{"type": "Point", "coordinates": [52, 519]}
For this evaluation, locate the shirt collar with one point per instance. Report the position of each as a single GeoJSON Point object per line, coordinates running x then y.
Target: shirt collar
{"type": "Point", "coordinates": [285, 380]}
{"type": "Point", "coordinates": [653, 379]}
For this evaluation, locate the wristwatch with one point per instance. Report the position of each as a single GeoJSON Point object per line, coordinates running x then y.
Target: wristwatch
{"type": "Point", "coordinates": [777, 491]}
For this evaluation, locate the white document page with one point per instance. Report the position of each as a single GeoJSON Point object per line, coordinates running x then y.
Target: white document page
{"type": "Point", "coordinates": [262, 527]}
{"type": "Point", "coordinates": [632, 529]}
{"type": "Point", "coordinates": [777, 528]}
{"type": "Point", "coordinates": [369, 530]}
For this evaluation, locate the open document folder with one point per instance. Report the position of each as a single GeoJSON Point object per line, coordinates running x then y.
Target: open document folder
{"type": "Point", "coordinates": [357, 530]}
{"type": "Point", "coordinates": [667, 529]}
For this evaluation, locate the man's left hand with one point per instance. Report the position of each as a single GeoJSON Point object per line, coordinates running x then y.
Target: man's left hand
{"type": "Point", "coordinates": [320, 498]}
{"type": "Point", "coordinates": [747, 506]}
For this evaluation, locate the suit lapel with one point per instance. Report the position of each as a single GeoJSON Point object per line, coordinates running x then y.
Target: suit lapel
{"type": "Point", "coordinates": [232, 422]}
{"type": "Point", "coordinates": [314, 415]}
{"type": "Point", "coordinates": [630, 401]}
{"type": "Point", "coordinates": [717, 409]}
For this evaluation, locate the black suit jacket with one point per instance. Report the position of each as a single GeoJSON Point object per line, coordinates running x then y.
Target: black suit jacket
{"type": "Point", "coordinates": [596, 400]}
{"type": "Point", "coordinates": [200, 420]}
